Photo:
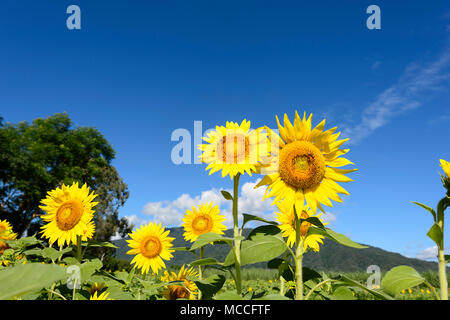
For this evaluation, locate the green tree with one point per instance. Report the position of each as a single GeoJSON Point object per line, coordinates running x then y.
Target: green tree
{"type": "Point", "coordinates": [38, 157]}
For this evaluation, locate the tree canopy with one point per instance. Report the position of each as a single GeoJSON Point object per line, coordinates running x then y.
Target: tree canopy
{"type": "Point", "coordinates": [38, 157]}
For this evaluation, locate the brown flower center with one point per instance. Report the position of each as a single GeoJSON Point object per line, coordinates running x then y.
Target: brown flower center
{"type": "Point", "coordinates": [301, 165]}
{"type": "Point", "coordinates": [151, 247]}
{"type": "Point", "coordinates": [202, 224]}
{"type": "Point", "coordinates": [69, 214]}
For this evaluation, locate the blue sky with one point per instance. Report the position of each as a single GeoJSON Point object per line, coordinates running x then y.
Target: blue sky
{"type": "Point", "coordinates": [139, 70]}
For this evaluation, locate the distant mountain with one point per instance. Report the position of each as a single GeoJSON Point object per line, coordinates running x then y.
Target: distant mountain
{"type": "Point", "coordinates": [332, 256]}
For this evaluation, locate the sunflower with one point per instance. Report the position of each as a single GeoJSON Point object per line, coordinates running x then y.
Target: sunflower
{"type": "Point", "coordinates": [68, 214]}
{"type": "Point", "coordinates": [202, 220]}
{"type": "Point", "coordinates": [286, 218]}
{"type": "Point", "coordinates": [188, 291]}
{"type": "Point", "coordinates": [150, 244]}
{"type": "Point", "coordinates": [103, 296]}
{"type": "Point", "coordinates": [234, 149]}
{"type": "Point", "coordinates": [305, 164]}
{"type": "Point", "coordinates": [6, 233]}
{"type": "Point", "coordinates": [446, 167]}
{"type": "Point", "coordinates": [96, 287]}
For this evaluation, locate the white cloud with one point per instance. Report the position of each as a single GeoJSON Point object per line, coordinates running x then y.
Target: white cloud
{"type": "Point", "coordinates": [428, 253]}
{"type": "Point", "coordinates": [329, 217]}
{"type": "Point", "coordinates": [410, 92]}
{"type": "Point", "coordinates": [170, 212]}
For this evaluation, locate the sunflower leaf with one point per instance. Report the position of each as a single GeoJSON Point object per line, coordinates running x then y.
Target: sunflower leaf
{"type": "Point", "coordinates": [435, 234]}
{"type": "Point", "coordinates": [226, 195]}
{"type": "Point", "coordinates": [210, 286]}
{"type": "Point", "coordinates": [28, 278]}
{"type": "Point", "coordinates": [337, 237]}
{"type": "Point", "coordinates": [207, 238]}
{"type": "Point", "coordinates": [431, 210]}
{"type": "Point", "coordinates": [260, 247]}
{"type": "Point", "coordinates": [400, 278]}
{"type": "Point", "coordinates": [205, 261]}
{"type": "Point", "coordinates": [250, 217]}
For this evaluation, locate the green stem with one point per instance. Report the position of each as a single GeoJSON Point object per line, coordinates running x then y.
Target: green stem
{"type": "Point", "coordinates": [282, 286]}
{"type": "Point", "coordinates": [298, 261]}
{"type": "Point", "coordinates": [200, 272]}
{"type": "Point", "coordinates": [443, 275]}
{"type": "Point", "coordinates": [442, 205]}
{"type": "Point", "coordinates": [237, 242]}
{"type": "Point", "coordinates": [433, 289]}
{"type": "Point", "coordinates": [317, 286]}
{"type": "Point", "coordinates": [79, 255]}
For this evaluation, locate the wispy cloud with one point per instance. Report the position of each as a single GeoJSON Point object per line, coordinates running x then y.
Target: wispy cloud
{"type": "Point", "coordinates": [411, 91]}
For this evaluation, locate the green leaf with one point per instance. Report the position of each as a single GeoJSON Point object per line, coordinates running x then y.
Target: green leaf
{"type": "Point", "coordinates": [435, 234]}
{"type": "Point", "coordinates": [207, 238]}
{"type": "Point", "coordinates": [267, 229]}
{"type": "Point", "coordinates": [273, 296]}
{"type": "Point", "coordinates": [226, 195]}
{"type": "Point", "coordinates": [210, 286]}
{"type": "Point", "coordinates": [353, 283]}
{"type": "Point", "coordinates": [400, 278]}
{"type": "Point", "coordinates": [205, 261]}
{"type": "Point", "coordinates": [342, 293]}
{"type": "Point", "coordinates": [88, 268]}
{"type": "Point", "coordinates": [28, 278]}
{"type": "Point", "coordinates": [33, 252]}
{"type": "Point", "coordinates": [53, 254]}
{"type": "Point", "coordinates": [309, 274]}
{"type": "Point", "coordinates": [314, 221]}
{"type": "Point", "coordinates": [339, 238]}
{"type": "Point", "coordinates": [228, 295]}
{"type": "Point", "coordinates": [250, 217]}
{"type": "Point", "coordinates": [261, 247]}
{"type": "Point", "coordinates": [95, 243]}
{"type": "Point", "coordinates": [447, 258]}
{"type": "Point", "coordinates": [431, 210]}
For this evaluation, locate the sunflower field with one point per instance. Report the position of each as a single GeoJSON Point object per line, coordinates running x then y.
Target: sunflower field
{"type": "Point", "coordinates": [302, 168]}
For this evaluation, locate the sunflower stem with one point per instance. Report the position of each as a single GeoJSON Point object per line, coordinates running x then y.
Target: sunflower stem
{"type": "Point", "coordinates": [237, 241]}
{"type": "Point", "coordinates": [442, 205]}
{"type": "Point", "coordinates": [200, 272]}
{"type": "Point", "coordinates": [298, 260]}
{"type": "Point", "coordinates": [79, 255]}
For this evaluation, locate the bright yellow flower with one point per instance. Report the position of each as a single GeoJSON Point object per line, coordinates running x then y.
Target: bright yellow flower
{"type": "Point", "coordinates": [234, 149]}
{"type": "Point", "coordinates": [103, 296]}
{"type": "Point", "coordinates": [250, 289]}
{"type": "Point", "coordinates": [174, 292]}
{"type": "Point", "coordinates": [305, 164]}
{"type": "Point", "coordinates": [96, 287]}
{"type": "Point", "coordinates": [205, 219]}
{"type": "Point", "coordinates": [409, 290]}
{"type": "Point", "coordinates": [286, 218]}
{"type": "Point", "coordinates": [150, 244]}
{"type": "Point", "coordinates": [6, 233]}
{"type": "Point", "coordinates": [446, 167]}
{"type": "Point", "coordinates": [68, 214]}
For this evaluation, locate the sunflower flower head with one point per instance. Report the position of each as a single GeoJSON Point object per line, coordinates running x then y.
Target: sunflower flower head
{"type": "Point", "coordinates": [234, 149]}
{"type": "Point", "coordinates": [202, 219]}
{"type": "Point", "coordinates": [446, 179]}
{"type": "Point", "coordinates": [69, 214]}
{"type": "Point", "coordinates": [102, 296]}
{"type": "Point", "coordinates": [305, 165]}
{"type": "Point", "coordinates": [150, 244]}
{"type": "Point", "coordinates": [96, 287]}
{"type": "Point", "coordinates": [6, 233]}
{"type": "Point", "coordinates": [188, 290]}
{"type": "Point", "coordinates": [287, 219]}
